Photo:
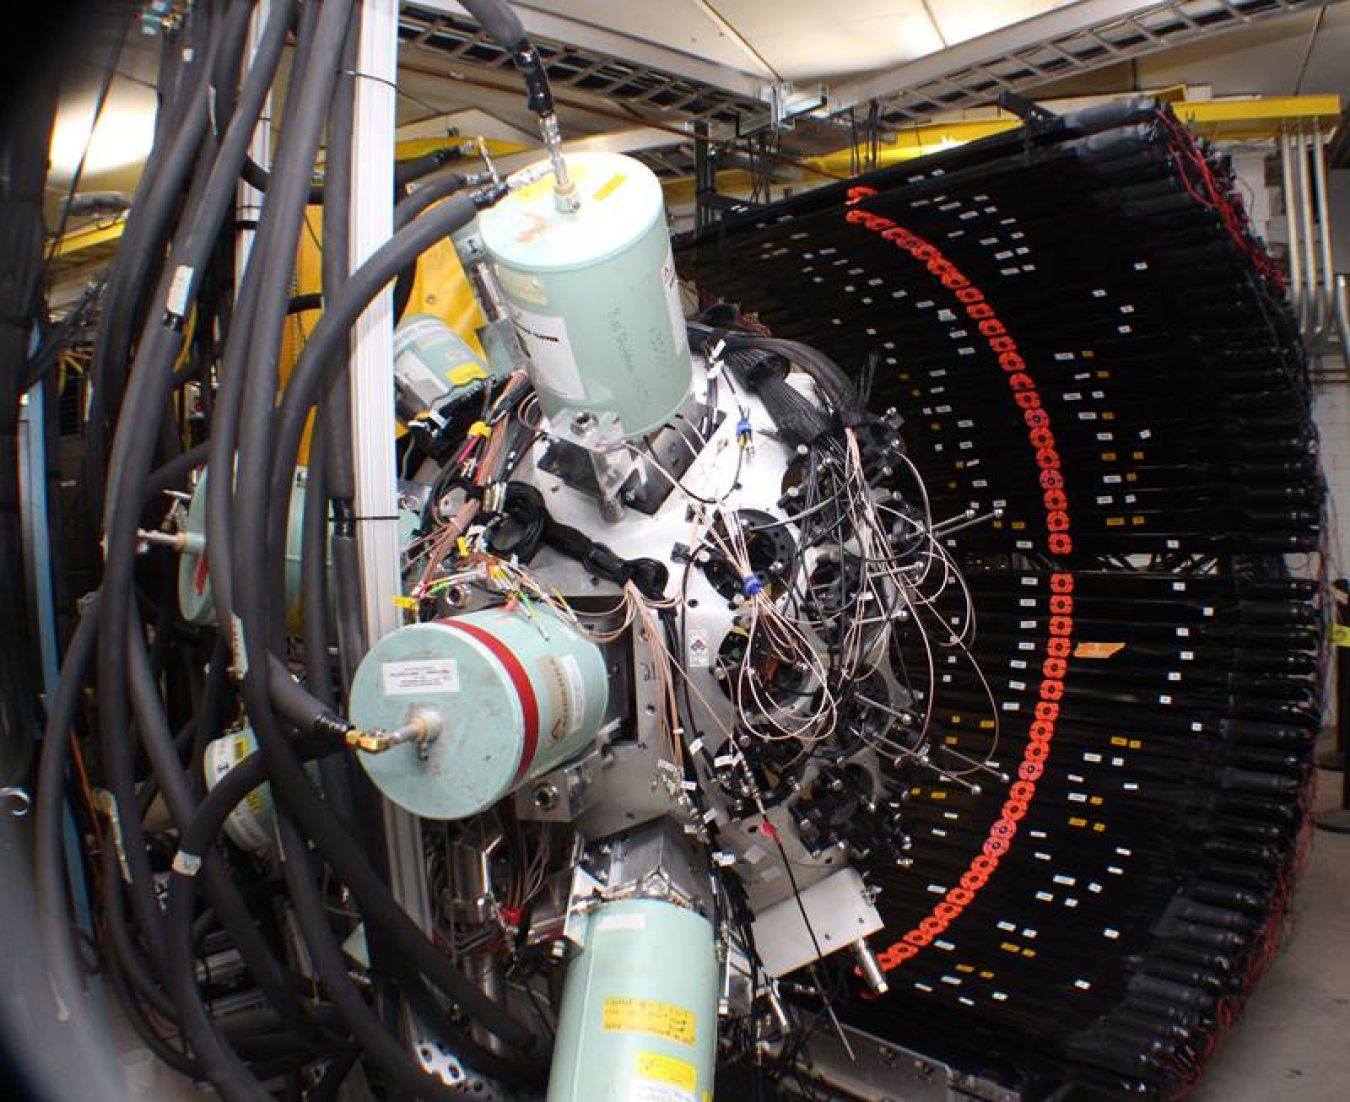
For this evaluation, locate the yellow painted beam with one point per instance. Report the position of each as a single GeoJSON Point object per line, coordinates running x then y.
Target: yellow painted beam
{"type": "Point", "coordinates": [417, 147]}
{"type": "Point", "coordinates": [88, 237]}
{"type": "Point", "coordinates": [1253, 119]}
{"type": "Point", "coordinates": [1229, 119]}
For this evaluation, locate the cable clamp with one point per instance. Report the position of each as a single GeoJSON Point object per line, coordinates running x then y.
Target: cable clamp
{"type": "Point", "coordinates": [186, 864]}
{"type": "Point", "coordinates": [751, 585]}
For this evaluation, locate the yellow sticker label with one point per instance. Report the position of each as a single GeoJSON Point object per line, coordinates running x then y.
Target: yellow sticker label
{"type": "Point", "coordinates": [649, 1016]}
{"type": "Point", "coordinates": [1340, 635]}
{"type": "Point", "coordinates": [1086, 649]}
{"type": "Point", "coordinates": [667, 1069]}
{"type": "Point", "coordinates": [609, 187]}
{"type": "Point", "coordinates": [466, 373]}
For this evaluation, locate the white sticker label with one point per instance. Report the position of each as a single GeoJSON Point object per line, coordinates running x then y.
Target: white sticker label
{"type": "Point", "coordinates": [177, 300]}
{"type": "Point", "coordinates": [623, 922]}
{"type": "Point", "coordinates": [544, 339]}
{"type": "Point", "coordinates": [699, 649]}
{"type": "Point", "coordinates": [429, 675]}
{"type": "Point", "coordinates": [671, 283]}
{"type": "Point", "coordinates": [576, 690]}
{"type": "Point", "coordinates": [649, 1090]}
{"type": "Point", "coordinates": [567, 689]}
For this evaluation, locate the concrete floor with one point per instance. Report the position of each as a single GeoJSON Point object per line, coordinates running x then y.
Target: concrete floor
{"type": "Point", "coordinates": [1293, 1042]}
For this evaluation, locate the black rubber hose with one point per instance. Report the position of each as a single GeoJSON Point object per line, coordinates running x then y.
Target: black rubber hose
{"type": "Point", "coordinates": [338, 459]}
{"type": "Point", "coordinates": [226, 1070]}
{"type": "Point", "coordinates": [115, 317]}
{"type": "Point", "coordinates": [154, 1040]}
{"type": "Point", "coordinates": [140, 253]}
{"type": "Point", "coordinates": [417, 201]}
{"type": "Point", "coordinates": [234, 367]}
{"type": "Point", "coordinates": [498, 20]}
{"type": "Point", "coordinates": [173, 473]}
{"type": "Point", "coordinates": [370, 1033]}
{"type": "Point", "coordinates": [405, 172]}
{"type": "Point", "coordinates": [314, 370]}
{"type": "Point", "coordinates": [119, 943]}
{"type": "Point", "coordinates": [269, 975]}
{"type": "Point", "coordinates": [131, 456]}
{"type": "Point", "coordinates": [285, 211]}
{"type": "Point", "coordinates": [49, 864]}
{"type": "Point", "coordinates": [314, 594]}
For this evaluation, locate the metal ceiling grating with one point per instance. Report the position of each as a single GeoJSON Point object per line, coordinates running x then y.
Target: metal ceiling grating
{"type": "Point", "coordinates": [642, 88]}
{"type": "Point", "coordinates": [1074, 51]}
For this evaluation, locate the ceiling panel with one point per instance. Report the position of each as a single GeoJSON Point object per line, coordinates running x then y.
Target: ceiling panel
{"type": "Point", "coordinates": [959, 20]}
{"type": "Point", "coordinates": [684, 25]}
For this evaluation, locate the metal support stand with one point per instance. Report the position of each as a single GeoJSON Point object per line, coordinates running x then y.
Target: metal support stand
{"type": "Point", "coordinates": [1336, 820]}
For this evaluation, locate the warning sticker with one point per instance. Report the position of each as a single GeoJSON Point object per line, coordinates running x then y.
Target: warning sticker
{"type": "Point", "coordinates": [666, 1069]}
{"type": "Point", "coordinates": [545, 340]}
{"type": "Point", "coordinates": [430, 675]}
{"type": "Point", "coordinates": [662, 1078]}
{"type": "Point", "coordinates": [667, 1020]}
{"type": "Point", "coordinates": [567, 690]}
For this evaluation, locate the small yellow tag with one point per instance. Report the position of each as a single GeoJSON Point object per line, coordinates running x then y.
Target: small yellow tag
{"type": "Point", "coordinates": [466, 373]}
{"type": "Point", "coordinates": [409, 603]}
{"type": "Point", "coordinates": [1340, 635]}
{"type": "Point", "coordinates": [609, 187]}
{"type": "Point", "coordinates": [1097, 650]}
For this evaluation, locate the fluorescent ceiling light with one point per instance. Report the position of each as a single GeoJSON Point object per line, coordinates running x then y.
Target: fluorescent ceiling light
{"type": "Point", "coordinates": [125, 132]}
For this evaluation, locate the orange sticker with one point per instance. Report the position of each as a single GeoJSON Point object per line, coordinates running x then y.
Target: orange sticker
{"type": "Point", "coordinates": [1097, 650]}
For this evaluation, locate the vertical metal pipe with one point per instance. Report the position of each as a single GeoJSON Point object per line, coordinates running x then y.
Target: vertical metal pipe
{"type": "Point", "coordinates": [1295, 252]}
{"type": "Point", "coordinates": [1327, 291]}
{"type": "Point", "coordinates": [1341, 302]}
{"type": "Point", "coordinates": [1312, 323]}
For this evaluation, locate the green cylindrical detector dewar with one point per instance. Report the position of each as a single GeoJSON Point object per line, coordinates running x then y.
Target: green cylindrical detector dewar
{"type": "Point", "coordinates": [250, 825]}
{"type": "Point", "coordinates": [518, 694]}
{"type": "Point", "coordinates": [593, 293]}
{"type": "Point", "coordinates": [639, 1008]}
{"type": "Point", "coordinates": [195, 598]}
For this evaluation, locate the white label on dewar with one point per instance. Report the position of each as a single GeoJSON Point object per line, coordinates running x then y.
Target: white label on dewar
{"type": "Point", "coordinates": [544, 339]}
{"type": "Point", "coordinates": [429, 675]}
{"type": "Point", "coordinates": [576, 691]}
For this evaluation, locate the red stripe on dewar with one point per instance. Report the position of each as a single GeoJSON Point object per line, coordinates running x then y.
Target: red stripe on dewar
{"type": "Point", "coordinates": [529, 703]}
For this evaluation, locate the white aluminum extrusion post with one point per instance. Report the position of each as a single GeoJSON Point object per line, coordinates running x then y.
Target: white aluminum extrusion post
{"type": "Point", "coordinates": [1289, 185]}
{"type": "Point", "coordinates": [1326, 292]}
{"type": "Point", "coordinates": [372, 389]}
{"type": "Point", "coordinates": [1312, 321]}
{"type": "Point", "coordinates": [248, 199]}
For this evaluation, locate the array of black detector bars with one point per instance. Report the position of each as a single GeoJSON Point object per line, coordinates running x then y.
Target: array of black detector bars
{"type": "Point", "coordinates": [1137, 899]}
